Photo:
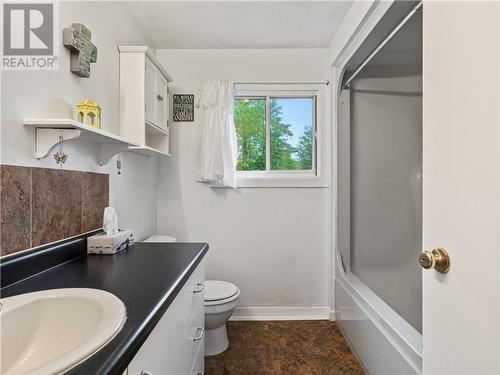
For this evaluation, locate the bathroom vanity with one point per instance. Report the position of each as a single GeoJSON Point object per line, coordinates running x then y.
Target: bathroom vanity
{"type": "Point", "coordinates": [176, 345]}
{"type": "Point", "coordinates": [161, 285]}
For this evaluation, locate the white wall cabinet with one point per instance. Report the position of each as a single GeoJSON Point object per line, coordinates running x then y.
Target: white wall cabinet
{"type": "Point", "coordinates": [163, 101]}
{"type": "Point", "coordinates": [176, 346]}
{"type": "Point", "coordinates": [144, 99]}
{"type": "Point", "coordinates": [151, 104]}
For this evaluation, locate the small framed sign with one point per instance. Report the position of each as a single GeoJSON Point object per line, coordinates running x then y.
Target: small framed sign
{"type": "Point", "coordinates": [183, 107]}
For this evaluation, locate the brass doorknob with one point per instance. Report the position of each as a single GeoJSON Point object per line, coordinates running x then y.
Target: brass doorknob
{"type": "Point", "coordinates": [437, 258]}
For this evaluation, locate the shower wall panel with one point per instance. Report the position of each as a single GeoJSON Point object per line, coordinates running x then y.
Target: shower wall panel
{"type": "Point", "coordinates": [386, 189]}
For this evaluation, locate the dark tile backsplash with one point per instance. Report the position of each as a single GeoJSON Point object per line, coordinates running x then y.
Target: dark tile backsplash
{"type": "Point", "coordinates": [15, 208]}
{"type": "Point", "coordinates": [95, 196]}
{"type": "Point", "coordinates": [42, 205]}
{"type": "Point", "coordinates": [56, 208]}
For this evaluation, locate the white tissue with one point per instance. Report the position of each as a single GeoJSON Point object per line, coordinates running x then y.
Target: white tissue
{"type": "Point", "coordinates": [110, 221]}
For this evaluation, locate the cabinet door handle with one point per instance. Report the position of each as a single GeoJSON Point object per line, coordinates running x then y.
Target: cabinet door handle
{"type": "Point", "coordinates": [201, 286]}
{"type": "Point", "coordinates": [200, 336]}
{"type": "Point", "coordinates": [146, 373]}
{"type": "Point", "coordinates": [159, 97]}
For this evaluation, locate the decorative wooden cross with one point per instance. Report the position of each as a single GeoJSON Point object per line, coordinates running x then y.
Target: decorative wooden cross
{"type": "Point", "coordinates": [77, 39]}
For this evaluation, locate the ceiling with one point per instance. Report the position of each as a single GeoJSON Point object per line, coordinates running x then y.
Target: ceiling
{"type": "Point", "coordinates": [239, 24]}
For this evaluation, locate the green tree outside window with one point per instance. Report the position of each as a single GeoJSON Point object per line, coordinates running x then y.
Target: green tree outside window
{"type": "Point", "coordinates": [291, 145]}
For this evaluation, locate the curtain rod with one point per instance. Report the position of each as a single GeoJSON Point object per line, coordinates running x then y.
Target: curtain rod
{"type": "Point", "coordinates": [283, 83]}
{"type": "Point", "coordinates": [386, 40]}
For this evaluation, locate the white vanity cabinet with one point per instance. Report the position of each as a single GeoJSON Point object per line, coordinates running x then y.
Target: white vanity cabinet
{"type": "Point", "coordinates": [176, 345]}
{"type": "Point", "coordinates": [144, 98]}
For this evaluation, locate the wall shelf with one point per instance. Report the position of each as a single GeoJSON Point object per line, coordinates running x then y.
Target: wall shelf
{"type": "Point", "coordinates": [51, 132]}
{"type": "Point", "coordinates": [154, 130]}
{"type": "Point", "coordinates": [149, 151]}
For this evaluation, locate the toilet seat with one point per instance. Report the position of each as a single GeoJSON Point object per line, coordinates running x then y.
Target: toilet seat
{"type": "Point", "coordinates": [218, 292]}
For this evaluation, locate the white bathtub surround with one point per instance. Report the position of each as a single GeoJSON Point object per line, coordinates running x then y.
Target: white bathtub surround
{"type": "Point", "coordinates": [218, 148]}
{"type": "Point", "coordinates": [384, 341]}
{"type": "Point", "coordinates": [386, 183]}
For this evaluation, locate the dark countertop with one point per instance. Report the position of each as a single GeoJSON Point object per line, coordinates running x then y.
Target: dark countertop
{"type": "Point", "coordinates": [146, 277]}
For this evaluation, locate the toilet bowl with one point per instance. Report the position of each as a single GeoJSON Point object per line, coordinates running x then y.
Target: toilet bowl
{"type": "Point", "coordinates": [221, 298]}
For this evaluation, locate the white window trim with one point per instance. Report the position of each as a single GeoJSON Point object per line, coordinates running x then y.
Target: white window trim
{"type": "Point", "coordinates": [294, 179]}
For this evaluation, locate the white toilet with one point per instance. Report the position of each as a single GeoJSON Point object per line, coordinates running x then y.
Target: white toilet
{"type": "Point", "coordinates": [221, 298]}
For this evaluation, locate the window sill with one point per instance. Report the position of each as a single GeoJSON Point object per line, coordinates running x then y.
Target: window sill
{"type": "Point", "coordinates": [278, 180]}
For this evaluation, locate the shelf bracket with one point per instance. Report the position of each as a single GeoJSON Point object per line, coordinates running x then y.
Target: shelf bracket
{"type": "Point", "coordinates": [108, 150]}
{"type": "Point", "coordinates": [46, 139]}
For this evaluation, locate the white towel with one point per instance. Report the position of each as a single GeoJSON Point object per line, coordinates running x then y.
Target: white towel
{"type": "Point", "coordinates": [218, 149]}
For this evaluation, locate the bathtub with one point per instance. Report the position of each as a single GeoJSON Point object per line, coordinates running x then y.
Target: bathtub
{"type": "Point", "coordinates": [382, 340]}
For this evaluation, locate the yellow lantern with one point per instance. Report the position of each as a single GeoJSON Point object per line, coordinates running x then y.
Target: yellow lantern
{"type": "Point", "coordinates": [89, 113]}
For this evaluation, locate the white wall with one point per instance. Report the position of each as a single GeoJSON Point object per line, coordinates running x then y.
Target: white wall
{"type": "Point", "coordinates": [271, 242]}
{"type": "Point", "coordinates": [52, 94]}
{"type": "Point", "coordinates": [349, 28]}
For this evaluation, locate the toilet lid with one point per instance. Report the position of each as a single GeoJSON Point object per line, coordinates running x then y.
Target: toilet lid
{"type": "Point", "coordinates": [216, 290]}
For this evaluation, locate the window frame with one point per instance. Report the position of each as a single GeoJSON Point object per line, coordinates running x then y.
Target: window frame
{"type": "Point", "coordinates": [316, 177]}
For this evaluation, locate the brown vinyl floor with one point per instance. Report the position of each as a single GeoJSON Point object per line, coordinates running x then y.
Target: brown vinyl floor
{"type": "Point", "coordinates": [284, 347]}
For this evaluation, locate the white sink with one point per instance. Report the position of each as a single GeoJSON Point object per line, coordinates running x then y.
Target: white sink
{"type": "Point", "coordinates": [51, 331]}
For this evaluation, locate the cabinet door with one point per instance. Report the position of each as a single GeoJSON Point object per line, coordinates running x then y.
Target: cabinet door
{"type": "Point", "coordinates": [172, 346]}
{"type": "Point", "coordinates": [199, 362]}
{"type": "Point", "coordinates": [163, 101]}
{"type": "Point", "coordinates": [151, 107]}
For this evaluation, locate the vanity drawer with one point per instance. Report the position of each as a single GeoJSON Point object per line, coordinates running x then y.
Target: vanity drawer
{"type": "Point", "coordinates": [199, 362]}
{"type": "Point", "coordinates": [197, 284]}
{"type": "Point", "coordinates": [170, 348]}
{"type": "Point", "coordinates": [197, 325]}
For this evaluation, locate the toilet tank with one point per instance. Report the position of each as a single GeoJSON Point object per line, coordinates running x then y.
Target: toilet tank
{"type": "Point", "coordinates": [160, 238]}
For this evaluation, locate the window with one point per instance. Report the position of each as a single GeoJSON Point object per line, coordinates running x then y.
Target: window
{"type": "Point", "coordinates": [276, 133]}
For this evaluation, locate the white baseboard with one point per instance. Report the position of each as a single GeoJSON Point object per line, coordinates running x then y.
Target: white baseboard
{"type": "Point", "coordinates": [281, 313]}
{"type": "Point", "coordinates": [332, 315]}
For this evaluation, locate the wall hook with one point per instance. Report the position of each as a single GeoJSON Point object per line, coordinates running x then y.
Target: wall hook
{"type": "Point", "coordinates": [60, 157]}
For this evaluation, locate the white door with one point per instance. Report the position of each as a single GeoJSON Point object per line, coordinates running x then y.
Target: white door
{"type": "Point", "coordinates": [461, 189]}
{"type": "Point", "coordinates": [151, 109]}
{"type": "Point", "coordinates": [162, 101]}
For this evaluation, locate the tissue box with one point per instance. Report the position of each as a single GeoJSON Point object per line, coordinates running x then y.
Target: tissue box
{"type": "Point", "coordinates": [104, 244]}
